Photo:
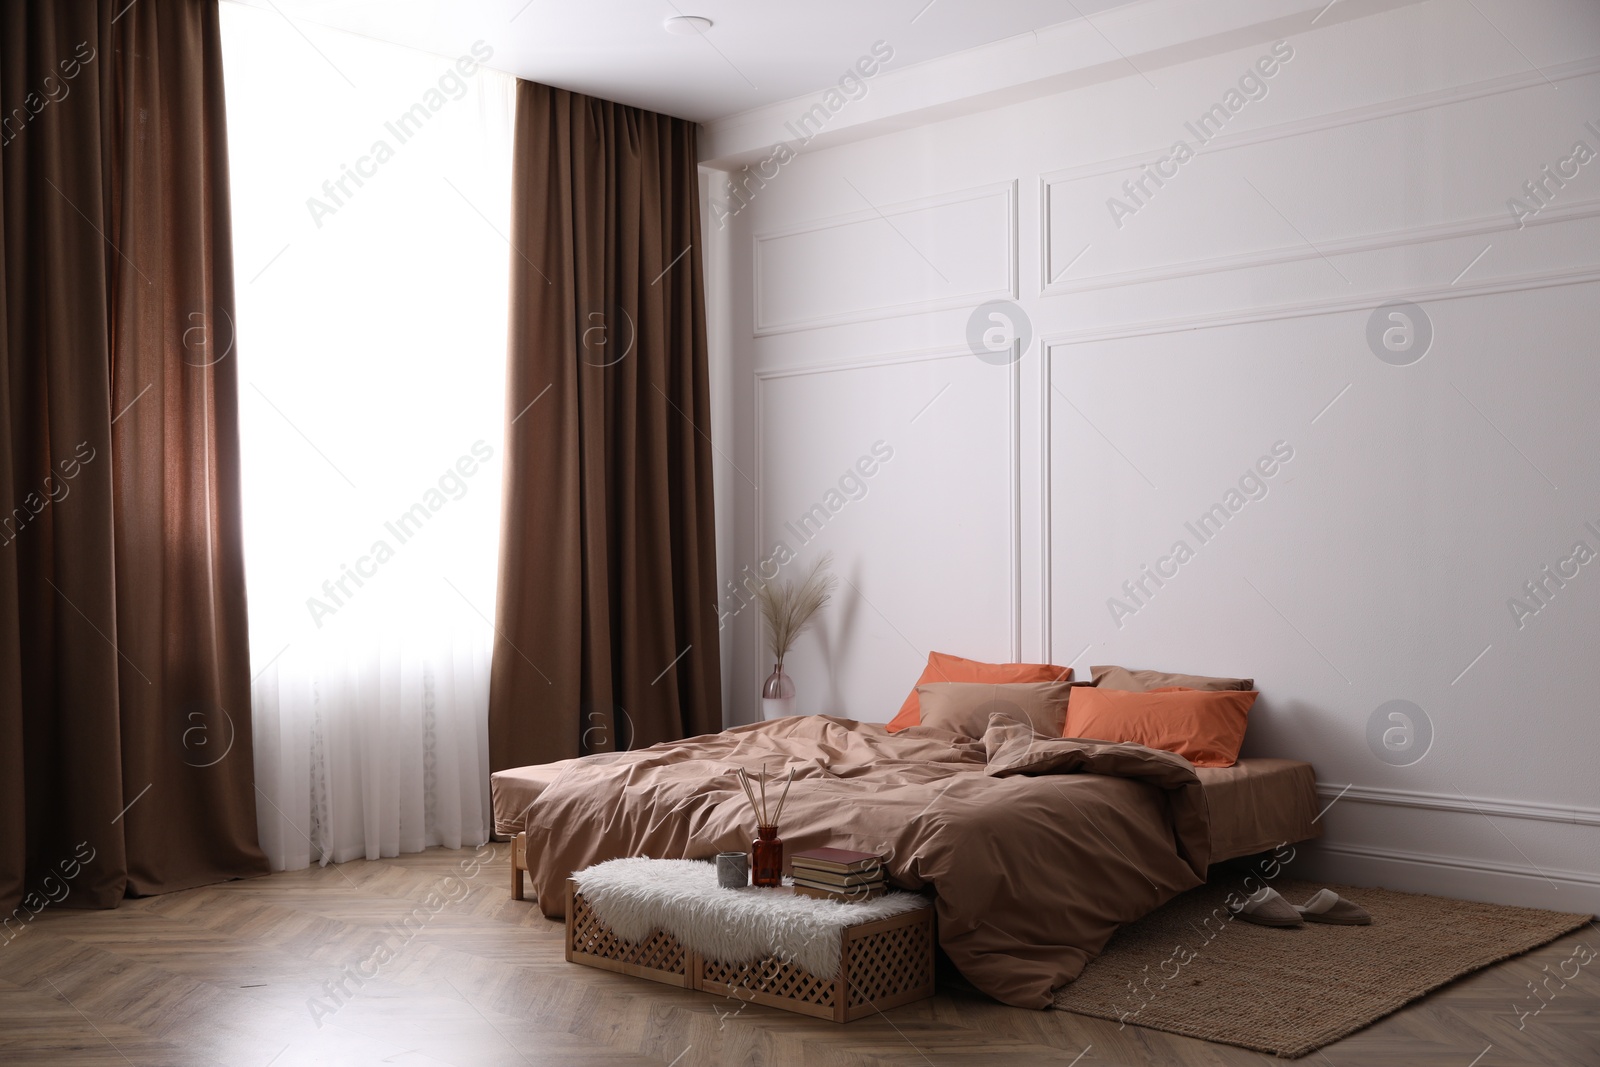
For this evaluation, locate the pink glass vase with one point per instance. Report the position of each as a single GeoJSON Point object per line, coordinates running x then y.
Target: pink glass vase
{"type": "Point", "coordinates": [777, 694]}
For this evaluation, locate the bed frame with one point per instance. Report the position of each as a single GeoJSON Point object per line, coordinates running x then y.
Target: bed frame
{"type": "Point", "coordinates": [519, 863]}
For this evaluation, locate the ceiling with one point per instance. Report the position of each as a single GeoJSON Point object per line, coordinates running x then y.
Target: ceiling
{"type": "Point", "coordinates": [757, 51]}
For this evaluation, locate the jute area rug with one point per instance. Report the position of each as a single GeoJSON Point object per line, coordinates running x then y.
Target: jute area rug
{"type": "Point", "coordinates": [1189, 968]}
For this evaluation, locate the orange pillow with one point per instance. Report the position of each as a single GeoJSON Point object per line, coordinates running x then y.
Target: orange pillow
{"type": "Point", "coordinates": [943, 667]}
{"type": "Point", "coordinates": [1204, 728]}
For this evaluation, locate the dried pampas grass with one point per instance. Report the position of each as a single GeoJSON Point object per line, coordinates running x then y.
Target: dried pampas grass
{"type": "Point", "coordinates": [789, 607]}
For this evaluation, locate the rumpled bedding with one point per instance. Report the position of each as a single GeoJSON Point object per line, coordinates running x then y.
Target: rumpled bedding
{"type": "Point", "coordinates": [1035, 849]}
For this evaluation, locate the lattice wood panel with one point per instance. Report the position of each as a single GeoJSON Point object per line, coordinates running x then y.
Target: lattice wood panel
{"type": "Point", "coordinates": [883, 964]}
{"type": "Point", "coordinates": [659, 957]}
{"type": "Point", "coordinates": [886, 966]}
{"type": "Point", "coordinates": [771, 978]}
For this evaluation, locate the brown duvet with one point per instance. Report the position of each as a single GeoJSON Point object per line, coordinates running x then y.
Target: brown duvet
{"type": "Point", "coordinates": [1036, 849]}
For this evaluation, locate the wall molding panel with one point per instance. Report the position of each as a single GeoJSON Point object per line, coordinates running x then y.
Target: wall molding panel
{"type": "Point", "coordinates": [1401, 105]}
{"type": "Point", "coordinates": [1515, 283]}
{"type": "Point", "coordinates": [1053, 262]}
{"type": "Point", "coordinates": [893, 359]}
{"type": "Point", "coordinates": [1000, 282]}
{"type": "Point", "coordinates": [1269, 313]}
{"type": "Point", "coordinates": [1013, 474]}
{"type": "Point", "coordinates": [1433, 232]}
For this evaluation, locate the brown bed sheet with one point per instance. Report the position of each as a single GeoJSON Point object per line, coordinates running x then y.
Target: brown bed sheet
{"type": "Point", "coordinates": [1256, 805]}
{"type": "Point", "coordinates": [513, 792]}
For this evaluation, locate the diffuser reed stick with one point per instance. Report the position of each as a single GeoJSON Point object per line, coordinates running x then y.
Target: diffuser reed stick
{"type": "Point", "coordinates": [783, 799]}
{"type": "Point", "coordinates": [757, 795]}
{"type": "Point", "coordinates": [744, 783]}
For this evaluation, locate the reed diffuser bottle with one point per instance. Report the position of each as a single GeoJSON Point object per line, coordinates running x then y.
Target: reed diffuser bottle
{"type": "Point", "coordinates": [766, 851]}
{"type": "Point", "coordinates": [766, 858]}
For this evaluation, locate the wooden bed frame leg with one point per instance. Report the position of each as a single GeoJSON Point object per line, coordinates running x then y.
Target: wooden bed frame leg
{"type": "Point", "coordinates": [519, 863]}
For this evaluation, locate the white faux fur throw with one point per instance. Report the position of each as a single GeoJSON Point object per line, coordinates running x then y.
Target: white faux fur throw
{"type": "Point", "coordinates": [637, 896]}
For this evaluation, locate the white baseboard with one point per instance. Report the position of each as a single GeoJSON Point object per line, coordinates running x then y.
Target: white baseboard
{"type": "Point", "coordinates": [1467, 877]}
{"type": "Point", "coordinates": [1458, 802]}
{"type": "Point", "coordinates": [1449, 876]}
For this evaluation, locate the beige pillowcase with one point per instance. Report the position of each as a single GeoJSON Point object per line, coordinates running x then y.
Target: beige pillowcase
{"type": "Point", "coordinates": [1144, 681]}
{"type": "Point", "coordinates": [964, 707]}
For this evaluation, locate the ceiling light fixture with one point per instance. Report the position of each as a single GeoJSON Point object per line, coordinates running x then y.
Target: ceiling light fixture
{"type": "Point", "coordinates": [687, 25]}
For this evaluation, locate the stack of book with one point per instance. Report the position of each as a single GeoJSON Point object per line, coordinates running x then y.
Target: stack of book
{"type": "Point", "coordinates": [838, 874]}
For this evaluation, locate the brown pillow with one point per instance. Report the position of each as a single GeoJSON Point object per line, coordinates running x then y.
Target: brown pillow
{"type": "Point", "coordinates": [943, 667]}
{"type": "Point", "coordinates": [964, 707]}
{"type": "Point", "coordinates": [1144, 681]}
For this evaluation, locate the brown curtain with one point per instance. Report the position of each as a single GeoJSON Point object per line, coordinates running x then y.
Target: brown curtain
{"type": "Point", "coordinates": [607, 597]}
{"type": "Point", "coordinates": [124, 664]}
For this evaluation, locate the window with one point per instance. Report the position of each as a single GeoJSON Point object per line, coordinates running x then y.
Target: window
{"type": "Point", "coordinates": [371, 196]}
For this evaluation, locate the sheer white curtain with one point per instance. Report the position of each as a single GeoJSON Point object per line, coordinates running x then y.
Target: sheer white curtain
{"type": "Point", "coordinates": [371, 193]}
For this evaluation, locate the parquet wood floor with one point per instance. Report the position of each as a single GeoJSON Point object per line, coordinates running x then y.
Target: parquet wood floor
{"type": "Point", "coordinates": [232, 975]}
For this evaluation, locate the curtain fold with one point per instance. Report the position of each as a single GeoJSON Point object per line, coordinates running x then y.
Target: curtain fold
{"type": "Point", "coordinates": [606, 620]}
{"type": "Point", "coordinates": [124, 673]}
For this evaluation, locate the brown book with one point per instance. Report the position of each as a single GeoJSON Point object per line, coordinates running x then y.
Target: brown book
{"type": "Point", "coordinates": [800, 874]}
{"type": "Point", "coordinates": [844, 860]}
{"type": "Point", "coordinates": [852, 896]}
{"type": "Point", "coordinates": [835, 878]}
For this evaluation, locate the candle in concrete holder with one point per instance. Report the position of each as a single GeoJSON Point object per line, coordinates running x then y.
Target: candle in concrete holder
{"type": "Point", "coordinates": [733, 870]}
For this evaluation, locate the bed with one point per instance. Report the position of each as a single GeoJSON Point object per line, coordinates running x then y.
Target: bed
{"type": "Point", "coordinates": [1036, 849]}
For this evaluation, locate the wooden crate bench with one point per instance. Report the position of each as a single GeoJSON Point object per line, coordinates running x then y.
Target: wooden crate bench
{"type": "Point", "coordinates": [882, 965]}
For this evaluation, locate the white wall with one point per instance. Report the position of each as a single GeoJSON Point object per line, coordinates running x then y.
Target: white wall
{"type": "Point", "coordinates": [1227, 314]}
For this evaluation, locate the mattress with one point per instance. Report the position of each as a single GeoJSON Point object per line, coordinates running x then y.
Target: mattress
{"type": "Point", "coordinates": [514, 792]}
{"type": "Point", "coordinates": [1256, 805]}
